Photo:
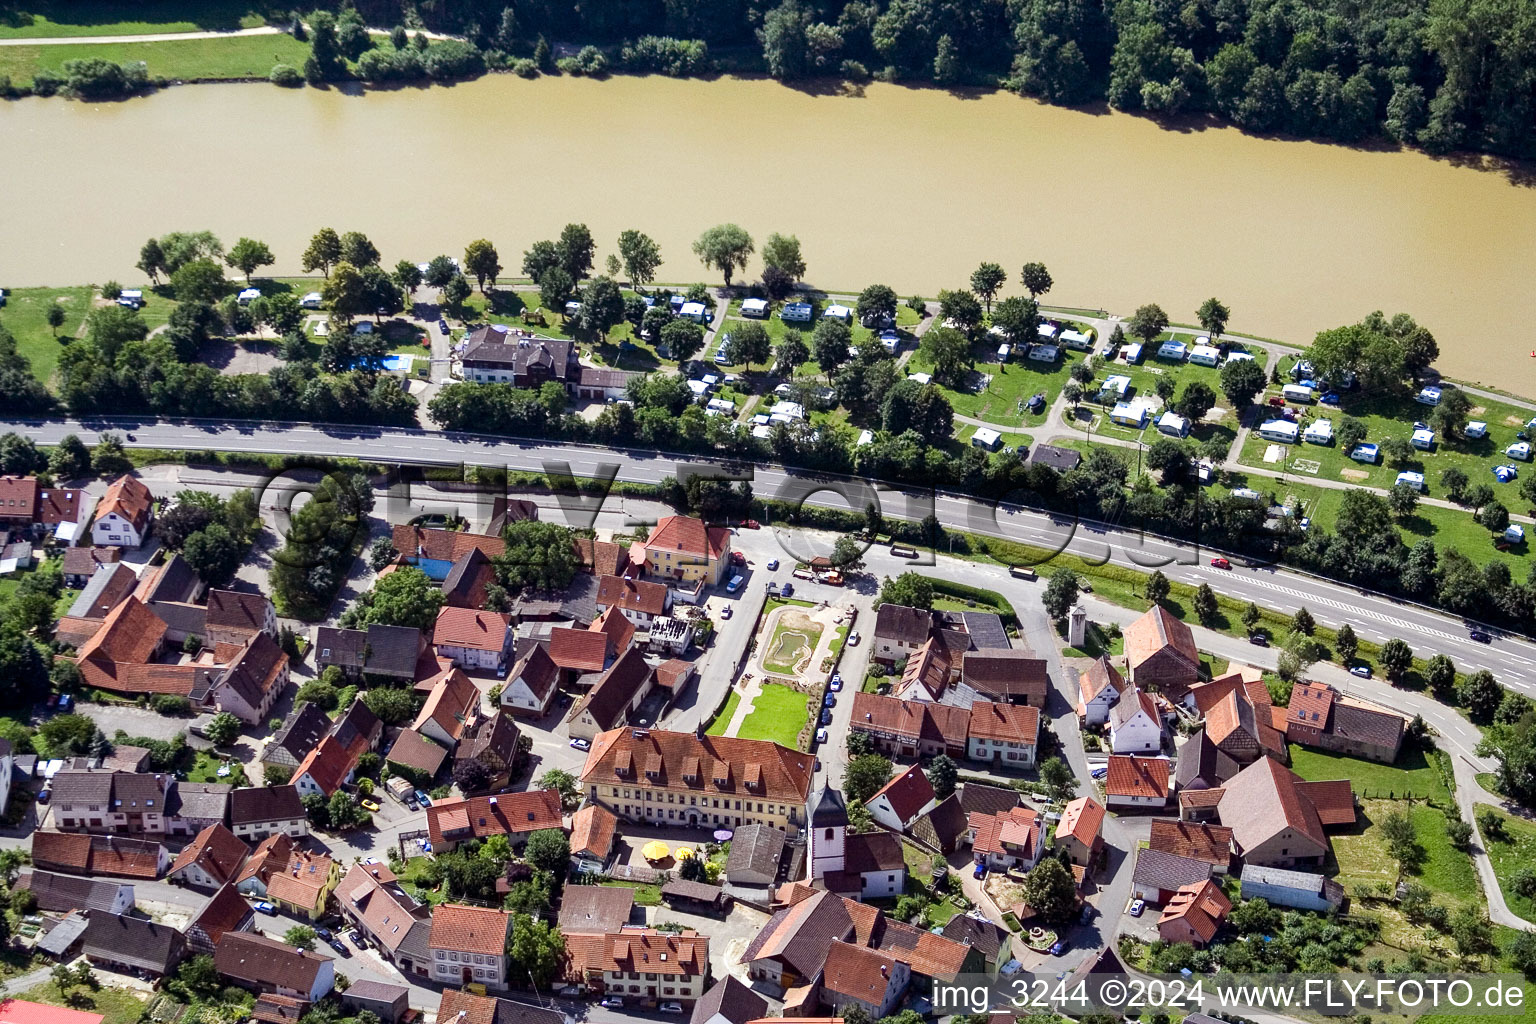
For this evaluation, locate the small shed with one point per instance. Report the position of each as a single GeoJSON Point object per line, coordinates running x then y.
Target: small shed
{"type": "Point", "coordinates": [986, 438]}
{"type": "Point", "coordinates": [697, 896]}
{"type": "Point", "coordinates": [1284, 888]}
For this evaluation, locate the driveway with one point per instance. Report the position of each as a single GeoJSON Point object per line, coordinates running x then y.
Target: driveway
{"type": "Point", "coordinates": [135, 721]}
{"type": "Point", "coordinates": [728, 936]}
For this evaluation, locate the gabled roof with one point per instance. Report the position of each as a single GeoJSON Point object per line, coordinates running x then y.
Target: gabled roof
{"type": "Point", "coordinates": [272, 1008]}
{"type": "Point", "coordinates": [915, 721]}
{"type": "Point", "coordinates": [613, 625]}
{"type": "Point", "coordinates": [607, 701]}
{"type": "Point", "coordinates": [1355, 721]}
{"type": "Point", "coordinates": [81, 854]}
{"type": "Point", "coordinates": [1201, 906]}
{"type": "Point", "coordinates": [982, 935]}
{"type": "Point", "coordinates": [129, 500]}
{"type": "Point", "coordinates": [578, 650]}
{"type": "Point", "coordinates": [1126, 708]}
{"type": "Point", "coordinates": [908, 793]}
{"type": "Point", "coordinates": [928, 667]}
{"type": "Point", "coordinates": [304, 727]}
{"type": "Point", "coordinates": [1010, 723]}
{"type": "Point", "coordinates": [1209, 843]}
{"type": "Point", "coordinates": [302, 879]}
{"type": "Point", "coordinates": [682, 954]}
{"type": "Point", "coordinates": [469, 929]}
{"type": "Point", "coordinates": [592, 831]}
{"type": "Point", "coordinates": [1158, 869]}
{"type": "Point", "coordinates": [253, 805]}
{"type": "Point", "coordinates": [1131, 776]}
{"type": "Point", "coordinates": [943, 825]}
{"type": "Point", "coordinates": [857, 972]}
{"type": "Point", "coordinates": [129, 633]}
{"type": "Point", "coordinates": [872, 851]}
{"type": "Point", "coordinates": [471, 629]}
{"type": "Point", "coordinates": [1081, 819]}
{"type": "Point", "coordinates": [632, 595]}
{"type": "Point", "coordinates": [328, 764]}
{"type": "Point", "coordinates": [443, 545]}
{"type": "Point", "coordinates": [731, 1000]}
{"type": "Point", "coordinates": [269, 858]}
{"type": "Point", "coordinates": [1156, 632]}
{"type": "Point", "coordinates": [688, 536]}
{"type": "Point", "coordinates": [1018, 827]}
{"type": "Point", "coordinates": [910, 626]}
{"type": "Point", "coordinates": [757, 849]}
{"type": "Point", "coordinates": [396, 921]}
{"type": "Point", "coordinates": [449, 704]}
{"type": "Point", "coordinates": [602, 557]}
{"type": "Point", "coordinates": [709, 764]}
{"type": "Point", "coordinates": [464, 1007]}
{"type": "Point", "coordinates": [595, 909]}
{"type": "Point", "coordinates": [502, 814]}
{"type": "Point", "coordinates": [85, 561]}
{"type": "Point", "coordinates": [801, 934]}
{"type": "Point", "coordinates": [1201, 763]}
{"type": "Point", "coordinates": [135, 941]}
{"type": "Point", "coordinates": [495, 733]}
{"type": "Point", "coordinates": [1334, 800]}
{"type": "Point", "coordinates": [105, 590]}
{"type": "Point", "coordinates": [538, 670]}
{"type": "Point", "coordinates": [217, 850]}
{"type": "Point", "coordinates": [930, 955]}
{"type": "Point", "coordinates": [1264, 799]}
{"type": "Point", "coordinates": [256, 670]}
{"type": "Point", "coordinates": [465, 583]}
{"type": "Point", "coordinates": [1311, 703]}
{"type": "Point", "coordinates": [236, 610]}
{"type": "Point", "coordinates": [254, 958]}
{"type": "Point", "coordinates": [1002, 674]}
{"type": "Point", "coordinates": [224, 912]}
{"type": "Point", "coordinates": [58, 893]}
{"type": "Point", "coordinates": [392, 650]}
{"type": "Point", "coordinates": [978, 797]}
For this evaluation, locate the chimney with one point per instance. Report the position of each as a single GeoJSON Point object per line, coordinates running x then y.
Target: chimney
{"type": "Point", "coordinates": [884, 971]}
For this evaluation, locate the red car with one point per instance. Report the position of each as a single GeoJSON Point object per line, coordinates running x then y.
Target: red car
{"type": "Point", "coordinates": [1221, 563]}
{"type": "Point", "coordinates": [752, 524]}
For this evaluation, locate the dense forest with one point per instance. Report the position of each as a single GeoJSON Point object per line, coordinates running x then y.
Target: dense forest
{"type": "Point", "coordinates": [1441, 74]}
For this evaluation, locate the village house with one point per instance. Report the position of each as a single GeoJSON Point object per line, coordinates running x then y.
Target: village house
{"type": "Point", "coordinates": [721, 781]}
{"type": "Point", "coordinates": [595, 909]}
{"type": "Point", "coordinates": [1099, 688]}
{"type": "Point", "coordinates": [258, 812]}
{"type": "Point", "coordinates": [1161, 653]}
{"type": "Point", "coordinates": [389, 1003]}
{"type": "Point", "coordinates": [494, 354]}
{"type": "Point", "coordinates": [1194, 914]}
{"type": "Point", "coordinates": [1135, 727]}
{"type": "Point", "coordinates": [266, 965]}
{"type": "Point", "coordinates": [124, 514]}
{"type": "Point", "coordinates": [120, 655]}
{"type": "Point", "coordinates": [327, 768]}
{"type": "Point", "coordinates": [1320, 716]}
{"type": "Point", "coordinates": [594, 831]}
{"type": "Point", "coordinates": [269, 859]}
{"type": "Point", "coordinates": [1006, 676]}
{"type": "Point", "coordinates": [388, 651]}
{"type": "Point", "coordinates": [616, 697]}
{"type": "Point", "coordinates": [472, 639]}
{"type": "Point", "coordinates": [459, 1006]}
{"type": "Point", "coordinates": [757, 856]}
{"type": "Point", "coordinates": [109, 801]}
{"type": "Point", "coordinates": [119, 942]}
{"type": "Point", "coordinates": [210, 861]}
{"type": "Point", "coordinates": [59, 894]}
{"type": "Point", "coordinates": [1004, 734]}
{"type": "Point", "coordinates": [993, 940]}
{"type": "Point", "coordinates": [452, 700]}
{"type": "Point", "coordinates": [641, 603]}
{"type": "Point", "coordinates": [646, 965]}
{"type": "Point", "coordinates": [1078, 831]}
{"type": "Point", "coordinates": [1013, 840]}
{"type": "Point", "coordinates": [902, 800]}
{"type": "Point", "coordinates": [83, 854]}
{"type": "Point", "coordinates": [80, 564]}
{"type": "Point", "coordinates": [436, 552]}
{"type": "Point", "coordinates": [305, 726]}
{"type": "Point", "coordinates": [682, 548]}
{"type": "Point", "coordinates": [234, 618]}
{"type": "Point", "coordinates": [372, 901]}
{"type": "Point", "coordinates": [1303, 890]}
{"type": "Point", "coordinates": [468, 945]}
{"type": "Point", "coordinates": [1278, 820]}
{"type": "Point", "coordinates": [415, 756]}
{"type": "Point", "coordinates": [25, 505]}
{"type": "Point", "coordinates": [1208, 844]}
{"type": "Point", "coordinates": [257, 673]}
{"type": "Point", "coordinates": [1158, 875]}
{"type": "Point", "coordinates": [514, 815]}
{"type": "Point", "coordinates": [911, 728]}
{"type": "Point", "coordinates": [1137, 783]}
{"type": "Point", "coordinates": [728, 1001]}
{"type": "Point", "coordinates": [305, 884]}
{"type": "Point", "coordinates": [531, 684]}
{"type": "Point", "coordinates": [859, 976]}
{"type": "Point", "coordinates": [224, 912]}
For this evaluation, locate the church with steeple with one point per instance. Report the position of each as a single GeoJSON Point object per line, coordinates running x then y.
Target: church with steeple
{"type": "Point", "coordinates": [864, 865]}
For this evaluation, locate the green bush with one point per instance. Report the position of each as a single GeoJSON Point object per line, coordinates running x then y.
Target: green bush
{"type": "Point", "coordinates": [453, 59]}
{"type": "Point", "coordinates": [665, 55]}
{"type": "Point", "coordinates": [286, 75]}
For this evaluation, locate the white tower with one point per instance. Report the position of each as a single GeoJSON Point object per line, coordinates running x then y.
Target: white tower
{"type": "Point", "coordinates": [829, 825]}
{"type": "Point", "coordinates": [1077, 626]}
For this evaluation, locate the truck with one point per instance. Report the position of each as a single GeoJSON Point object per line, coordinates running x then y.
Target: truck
{"type": "Point", "coordinates": [900, 552]}
{"type": "Point", "coordinates": [1022, 572]}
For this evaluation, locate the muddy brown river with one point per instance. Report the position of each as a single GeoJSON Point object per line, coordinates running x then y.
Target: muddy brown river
{"type": "Point", "coordinates": [907, 186]}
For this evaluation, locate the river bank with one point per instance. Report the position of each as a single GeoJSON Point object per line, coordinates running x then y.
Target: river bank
{"type": "Point", "coordinates": [910, 187]}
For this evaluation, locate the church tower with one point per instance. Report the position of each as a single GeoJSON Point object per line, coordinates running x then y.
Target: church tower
{"type": "Point", "coordinates": [829, 824]}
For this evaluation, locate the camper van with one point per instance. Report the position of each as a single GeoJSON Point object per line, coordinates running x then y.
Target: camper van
{"type": "Point", "coordinates": [1298, 393]}
{"type": "Point", "coordinates": [1279, 430]}
{"type": "Point", "coordinates": [1204, 355]}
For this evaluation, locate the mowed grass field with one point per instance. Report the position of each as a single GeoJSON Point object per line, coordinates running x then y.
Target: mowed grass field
{"type": "Point", "coordinates": [56, 18]}
{"type": "Point", "coordinates": [1412, 776]}
{"type": "Point", "coordinates": [185, 59]}
{"type": "Point", "coordinates": [778, 714]}
{"type": "Point", "coordinates": [25, 315]}
{"type": "Point", "coordinates": [1510, 855]}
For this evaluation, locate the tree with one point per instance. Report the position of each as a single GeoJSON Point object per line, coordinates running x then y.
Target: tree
{"type": "Point", "coordinates": [1480, 693]}
{"type": "Point", "coordinates": [214, 554]}
{"type": "Point", "coordinates": [829, 342]}
{"type": "Point", "coordinates": [1017, 317]}
{"type": "Point", "coordinates": [1241, 381]}
{"type": "Point", "coordinates": [864, 776]}
{"type": "Point", "coordinates": [726, 248]}
{"type": "Point", "coordinates": [151, 260]}
{"type": "Point", "coordinates": [358, 250]}
{"type": "Point", "coordinates": [911, 589]}
{"type": "Point", "coordinates": [961, 308]}
{"type": "Point", "coordinates": [791, 353]}
{"type": "Point", "coordinates": [847, 554]}
{"type": "Point", "coordinates": [408, 276]}
{"type": "Point", "coordinates": [987, 280]}
{"type": "Point", "coordinates": [602, 308]}
{"type": "Point", "coordinates": [457, 292]}
{"type": "Point", "coordinates": [562, 782]}
{"type": "Point", "coordinates": [440, 271]}
{"type": "Point", "coordinates": [556, 288]}
{"type": "Point", "coordinates": [1060, 593]}
{"type": "Point", "coordinates": [1521, 952]}
{"type": "Point", "coordinates": [1205, 604]}
{"type": "Point", "coordinates": [482, 262]}
{"type": "Point", "coordinates": [575, 251]}
{"type": "Point", "coordinates": [407, 597]}
{"type": "Point", "coordinates": [641, 257]}
{"type": "Point", "coordinates": [1478, 495]}
{"type": "Point", "coordinates": [1251, 616]}
{"type": "Point", "coordinates": [1035, 279]}
{"type": "Point", "coordinates": [1057, 778]}
{"type": "Point", "coordinates": [247, 255]}
{"type": "Point", "coordinates": [1397, 451]}
{"type": "Point", "coordinates": [1148, 322]}
{"type": "Point", "coordinates": [222, 729]}
{"type": "Point", "coordinates": [1396, 658]}
{"type": "Point", "coordinates": [55, 317]}
{"type": "Point", "coordinates": [300, 936]}
{"type": "Point", "coordinates": [70, 459]}
{"type": "Point", "coordinates": [749, 343]}
{"type": "Point", "coordinates": [876, 303]}
{"type": "Point", "coordinates": [783, 252]}
{"type": "Point", "coordinates": [200, 280]}
{"type": "Point", "coordinates": [1197, 400]}
{"type": "Point", "coordinates": [1050, 891]}
{"type": "Point", "coordinates": [1402, 839]}
{"type": "Point", "coordinates": [108, 457]}
{"type": "Point", "coordinates": [471, 775]}
{"type": "Point", "coordinates": [548, 850]}
{"type": "Point", "coordinates": [949, 353]}
{"type": "Point", "coordinates": [323, 252]}
{"type": "Point", "coordinates": [1213, 316]}
{"type": "Point", "coordinates": [1302, 622]}
{"type": "Point", "coordinates": [942, 775]}
{"type": "Point", "coordinates": [1459, 832]}
{"type": "Point", "coordinates": [1402, 500]}
{"type": "Point", "coordinates": [1345, 644]}
{"type": "Point", "coordinates": [1158, 587]}
{"type": "Point", "coordinates": [1493, 516]}
{"type": "Point", "coordinates": [537, 949]}
{"type": "Point", "coordinates": [683, 338]}
{"type": "Point", "coordinates": [1351, 433]}
{"type": "Point", "coordinates": [1454, 482]}
{"type": "Point", "coordinates": [345, 812]}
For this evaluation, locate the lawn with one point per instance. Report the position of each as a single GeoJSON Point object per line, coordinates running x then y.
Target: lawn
{"type": "Point", "coordinates": [411, 875]}
{"type": "Point", "coordinates": [1511, 854]}
{"type": "Point", "coordinates": [998, 392]}
{"type": "Point", "coordinates": [1095, 643]}
{"type": "Point", "coordinates": [779, 714]}
{"type": "Point", "coordinates": [623, 348]}
{"type": "Point", "coordinates": [1363, 858]}
{"type": "Point", "coordinates": [1010, 439]}
{"type": "Point", "coordinates": [184, 59]}
{"type": "Point", "coordinates": [58, 18]}
{"type": "Point", "coordinates": [723, 719]}
{"type": "Point", "coordinates": [906, 320]}
{"type": "Point", "coordinates": [116, 1005]}
{"type": "Point", "coordinates": [206, 769]}
{"type": "Point", "coordinates": [646, 894]}
{"type": "Point", "coordinates": [1412, 776]}
{"type": "Point", "coordinates": [25, 316]}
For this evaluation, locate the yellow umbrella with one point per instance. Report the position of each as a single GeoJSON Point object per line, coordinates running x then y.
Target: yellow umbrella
{"type": "Point", "coordinates": [654, 850]}
{"type": "Point", "coordinates": [682, 852]}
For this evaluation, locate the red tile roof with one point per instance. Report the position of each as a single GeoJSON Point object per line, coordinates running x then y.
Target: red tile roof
{"type": "Point", "coordinates": [61, 505]}
{"type": "Point", "coordinates": [19, 1011]}
{"type": "Point", "coordinates": [471, 629]}
{"type": "Point", "coordinates": [443, 545]}
{"type": "Point", "coordinates": [579, 650]}
{"type": "Point", "coordinates": [469, 929]}
{"type": "Point", "coordinates": [328, 764]}
{"type": "Point", "coordinates": [1156, 631]}
{"type": "Point", "coordinates": [18, 497]}
{"type": "Point", "coordinates": [592, 830]}
{"type": "Point", "coordinates": [910, 720]}
{"type": "Point", "coordinates": [129, 499]}
{"type": "Point", "coordinates": [129, 633]}
{"type": "Point", "coordinates": [502, 814]}
{"type": "Point", "coordinates": [908, 793]}
{"type": "Point", "coordinates": [1333, 798]}
{"type": "Point", "coordinates": [650, 952]}
{"type": "Point", "coordinates": [216, 850]}
{"type": "Point", "coordinates": [1081, 819]}
{"type": "Point", "coordinates": [1011, 723]}
{"type": "Point", "coordinates": [712, 764]}
{"type": "Point", "coordinates": [605, 558]}
{"type": "Point", "coordinates": [302, 879]}
{"type": "Point", "coordinates": [1018, 827]}
{"type": "Point", "coordinates": [449, 704]}
{"type": "Point", "coordinates": [1211, 844]}
{"type": "Point", "coordinates": [858, 972]}
{"type": "Point", "coordinates": [1137, 776]}
{"type": "Point", "coordinates": [688, 536]}
{"type": "Point", "coordinates": [1264, 799]}
{"type": "Point", "coordinates": [632, 595]}
{"type": "Point", "coordinates": [1202, 907]}
{"type": "Point", "coordinates": [619, 630]}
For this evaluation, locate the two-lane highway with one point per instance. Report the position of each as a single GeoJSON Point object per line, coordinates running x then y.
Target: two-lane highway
{"type": "Point", "coordinates": [1373, 616]}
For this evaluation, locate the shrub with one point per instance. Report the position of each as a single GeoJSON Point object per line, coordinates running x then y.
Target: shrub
{"type": "Point", "coordinates": [171, 704]}
{"type": "Point", "coordinates": [525, 68]}
{"type": "Point", "coordinates": [286, 75]}
{"type": "Point", "coordinates": [453, 59]}
{"type": "Point", "coordinates": [854, 71]}
{"type": "Point", "coordinates": [390, 65]}
{"type": "Point", "coordinates": [92, 77]}
{"type": "Point", "coordinates": [665, 55]}
{"type": "Point", "coordinates": [46, 82]}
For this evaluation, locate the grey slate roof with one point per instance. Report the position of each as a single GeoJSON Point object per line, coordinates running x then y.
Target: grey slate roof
{"type": "Point", "coordinates": [831, 810]}
{"type": "Point", "coordinates": [976, 798]}
{"type": "Point", "coordinates": [1158, 870]}
{"type": "Point", "coordinates": [755, 850]}
{"type": "Point", "coordinates": [135, 941]}
{"type": "Point", "coordinates": [62, 936]}
{"type": "Point", "coordinates": [730, 999]}
{"type": "Point", "coordinates": [944, 825]}
{"type": "Point", "coordinates": [1202, 765]}
{"type": "Point", "coordinates": [304, 728]}
{"type": "Point", "coordinates": [986, 630]}
{"type": "Point", "coordinates": [208, 801]}
{"type": "Point", "coordinates": [872, 851]}
{"type": "Point", "coordinates": [595, 909]}
{"type": "Point", "coordinates": [392, 650]}
{"type": "Point", "coordinates": [59, 893]}
{"type": "Point", "coordinates": [982, 935]}
{"type": "Point", "coordinates": [249, 806]}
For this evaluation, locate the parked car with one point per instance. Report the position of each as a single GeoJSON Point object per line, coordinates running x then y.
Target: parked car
{"type": "Point", "coordinates": [324, 933]}
{"type": "Point", "coordinates": [1058, 947]}
{"type": "Point", "coordinates": [1099, 773]}
{"type": "Point", "coordinates": [980, 872]}
{"type": "Point", "coordinates": [854, 638]}
{"type": "Point", "coordinates": [356, 937]}
{"type": "Point", "coordinates": [43, 796]}
{"type": "Point", "coordinates": [726, 612]}
{"type": "Point", "coordinates": [371, 805]}
{"type": "Point", "coordinates": [671, 1007]}
{"type": "Point", "coordinates": [821, 735]}
{"type": "Point", "coordinates": [612, 1003]}
{"type": "Point", "coordinates": [340, 947]}
{"type": "Point", "coordinates": [1137, 906]}
{"type": "Point", "coordinates": [826, 717]}
{"type": "Point", "coordinates": [266, 907]}
{"type": "Point", "coordinates": [1260, 639]}
{"type": "Point", "coordinates": [1363, 671]}
{"type": "Point", "coordinates": [836, 684]}
{"type": "Point", "coordinates": [773, 564]}
{"type": "Point", "coordinates": [787, 589]}
{"type": "Point", "coordinates": [66, 702]}
{"type": "Point", "coordinates": [423, 799]}
{"type": "Point", "coordinates": [581, 744]}
{"type": "Point", "coordinates": [829, 701]}
{"type": "Point", "coordinates": [1220, 563]}
{"type": "Point", "coordinates": [411, 804]}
